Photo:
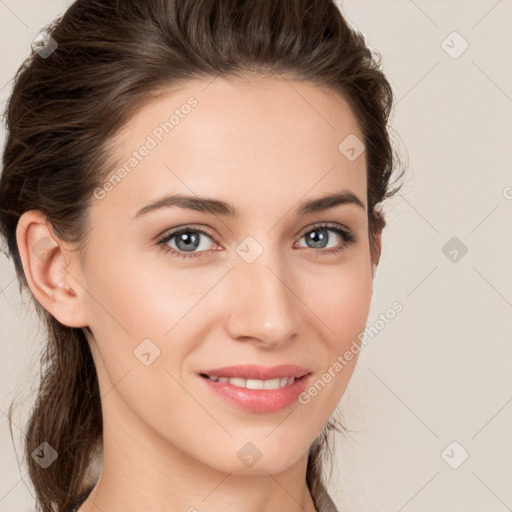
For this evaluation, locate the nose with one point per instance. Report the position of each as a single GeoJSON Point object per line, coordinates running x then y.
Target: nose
{"type": "Point", "coordinates": [263, 303]}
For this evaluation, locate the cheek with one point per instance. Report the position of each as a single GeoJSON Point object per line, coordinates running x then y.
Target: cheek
{"type": "Point", "coordinates": [340, 297]}
{"type": "Point", "coordinates": [341, 306]}
{"type": "Point", "coordinates": [133, 302]}
{"type": "Point", "coordinates": [141, 300]}
{"type": "Point", "coordinates": [352, 299]}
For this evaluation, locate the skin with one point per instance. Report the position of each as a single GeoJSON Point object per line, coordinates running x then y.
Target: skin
{"type": "Point", "coordinates": [263, 145]}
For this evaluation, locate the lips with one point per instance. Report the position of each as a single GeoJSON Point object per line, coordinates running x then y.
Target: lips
{"type": "Point", "coordinates": [255, 388]}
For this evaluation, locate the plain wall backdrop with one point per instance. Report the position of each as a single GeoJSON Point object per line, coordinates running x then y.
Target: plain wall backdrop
{"type": "Point", "coordinates": [430, 402]}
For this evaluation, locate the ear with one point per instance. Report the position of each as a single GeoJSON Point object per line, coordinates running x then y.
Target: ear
{"type": "Point", "coordinates": [376, 251]}
{"type": "Point", "coordinates": [47, 265]}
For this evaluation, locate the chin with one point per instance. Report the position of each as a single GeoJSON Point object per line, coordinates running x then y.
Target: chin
{"type": "Point", "coordinates": [250, 460]}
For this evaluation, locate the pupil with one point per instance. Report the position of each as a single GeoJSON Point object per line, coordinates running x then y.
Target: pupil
{"type": "Point", "coordinates": [190, 239]}
{"type": "Point", "coordinates": [318, 237]}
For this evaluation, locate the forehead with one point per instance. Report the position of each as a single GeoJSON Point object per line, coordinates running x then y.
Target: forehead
{"type": "Point", "coordinates": [261, 137]}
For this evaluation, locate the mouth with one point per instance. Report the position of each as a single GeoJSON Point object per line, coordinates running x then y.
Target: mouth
{"type": "Point", "coordinates": [239, 382]}
{"type": "Point", "coordinates": [256, 388]}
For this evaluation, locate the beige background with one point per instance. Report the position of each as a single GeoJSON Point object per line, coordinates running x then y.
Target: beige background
{"type": "Point", "coordinates": [440, 371]}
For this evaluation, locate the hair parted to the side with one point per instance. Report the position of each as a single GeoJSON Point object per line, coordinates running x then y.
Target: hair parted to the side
{"type": "Point", "coordinates": [112, 58]}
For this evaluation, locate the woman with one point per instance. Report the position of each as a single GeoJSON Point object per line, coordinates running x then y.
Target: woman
{"type": "Point", "coordinates": [191, 192]}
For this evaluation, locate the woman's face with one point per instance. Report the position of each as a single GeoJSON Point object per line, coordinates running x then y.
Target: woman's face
{"type": "Point", "coordinates": [264, 287]}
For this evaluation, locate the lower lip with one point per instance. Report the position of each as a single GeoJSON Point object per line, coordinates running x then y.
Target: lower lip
{"type": "Point", "coordinates": [258, 400]}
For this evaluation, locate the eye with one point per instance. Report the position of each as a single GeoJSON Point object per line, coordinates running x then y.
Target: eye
{"type": "Point", "coordinates": [186, 240]}
{"type": "Point", "coordinates": [319, 238]}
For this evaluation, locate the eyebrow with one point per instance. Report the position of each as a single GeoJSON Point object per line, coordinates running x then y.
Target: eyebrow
{"type": "Point", "coordinates": [218, 207]}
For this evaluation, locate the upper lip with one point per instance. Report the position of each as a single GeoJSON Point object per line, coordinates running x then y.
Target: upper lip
{"type": "Point", "coordinates": [252, 371]}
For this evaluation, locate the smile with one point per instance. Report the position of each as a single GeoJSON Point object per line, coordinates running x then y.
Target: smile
{"type": "Point", "coordinates": [257, 389]}
{"type": "Point", "coordinates": [254, 383]}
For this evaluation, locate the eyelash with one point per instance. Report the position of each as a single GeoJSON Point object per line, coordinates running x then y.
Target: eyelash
{"type": "Point", "coordinates": [348, 237]}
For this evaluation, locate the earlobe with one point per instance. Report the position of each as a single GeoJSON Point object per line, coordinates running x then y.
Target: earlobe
{"type": "Point", "coordinates": [47, 271]}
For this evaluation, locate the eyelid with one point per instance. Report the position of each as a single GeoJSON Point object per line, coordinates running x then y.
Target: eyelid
{"type": "Point", "coordinates": [186, 227]}
{"type": "Point", "coordinates": [206, 230]}
{"type": "Point", "coordinates": [326, 225]}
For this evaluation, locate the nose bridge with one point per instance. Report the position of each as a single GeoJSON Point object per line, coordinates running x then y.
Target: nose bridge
{"type": "Point", "coordinates": [263, 305]}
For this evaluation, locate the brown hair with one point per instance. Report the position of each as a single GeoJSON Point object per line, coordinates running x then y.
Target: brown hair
{"type": "Point", "coordinates": [112, 58]}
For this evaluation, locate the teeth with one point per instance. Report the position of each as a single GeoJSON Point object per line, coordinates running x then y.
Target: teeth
{"type": "Point", "coordinates": [237, 382]}
{"type": "Point", "coordinates": [272, 384]}
{"type": "Point", "coordinates": [256, 383]}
